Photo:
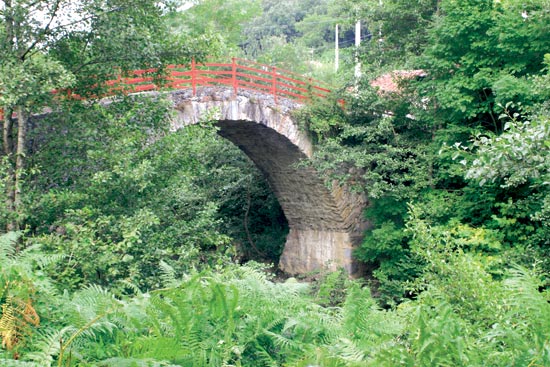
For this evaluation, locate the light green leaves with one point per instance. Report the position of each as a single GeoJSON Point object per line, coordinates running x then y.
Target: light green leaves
{"type": "Point", "coordinates": [32, 81]}
{"type": "Point", "coordinates": [520, 155]}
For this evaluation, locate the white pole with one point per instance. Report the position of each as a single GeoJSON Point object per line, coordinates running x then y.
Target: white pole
{"type": "Point", "coordinates": [380, 27]}
{"type": "Point", "coordinates": [357, 44]}
{"type": "Point", "coordinates": [336, 50]}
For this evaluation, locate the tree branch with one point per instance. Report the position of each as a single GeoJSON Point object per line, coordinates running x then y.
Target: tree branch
{"type": "Point", "coordinates": [87, 18]}
{"type": "Point", "coordinates": [9, 25]}
{"type": "Point", "coordinates": [44, 31]}
{"type": "Point", "coordinates": [49, 29]}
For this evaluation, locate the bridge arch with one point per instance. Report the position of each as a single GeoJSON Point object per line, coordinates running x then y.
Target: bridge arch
{"type": "Point", "coordinates": [324, 224]}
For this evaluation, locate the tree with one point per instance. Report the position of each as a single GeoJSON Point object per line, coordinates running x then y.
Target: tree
{"type": "Point", "coordinates": [221, 19]}
{"type": "Point", "coordinates": [50, 45]}
{"type": "Point", "coordinates": [479, 54]}
{"type": "Point", "coordinates": [279, 21]}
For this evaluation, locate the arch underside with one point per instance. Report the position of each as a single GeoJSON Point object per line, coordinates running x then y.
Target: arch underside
{"type": "Point", "coordinates": [319, 235]}
{"type": "Point", "coordinates": [324, 225]}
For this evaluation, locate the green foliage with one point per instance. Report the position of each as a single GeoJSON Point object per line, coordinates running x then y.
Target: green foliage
{"type": "Point", "coordinates": [461, 268]}
{"type": "Point", "coordinates": [369, 153]}
{"type": "Point", "coordinates": [396, 30]}
{"type": "Point", "coordinates": [216, 18]}
{"type": "Point", "coordinates": [518, 156]}
{"type": "Point", "coordinates": [463, 281]}
{"type": "Point", "coordinates": [480, 73]}
{"type": "Point", "coordinates": [24, 290]}
{"type": "Point", "coordinates": [128, 194]}
{"type": "Point", "coordinates": [237, 316]}
{"type": "Point", "coordinates": [479, 54]}
{"type": "Point", "coordinates": [295, 35]}
{"type": "Point", "coordinates": [330, 289]}
{"type": "Point", "coordinates": [30, 82]}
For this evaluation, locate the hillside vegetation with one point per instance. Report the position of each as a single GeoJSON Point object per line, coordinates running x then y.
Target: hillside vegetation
{"type": "Point", "coordinates": [123, 244]}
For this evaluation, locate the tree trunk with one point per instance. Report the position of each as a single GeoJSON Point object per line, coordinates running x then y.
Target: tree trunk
{"type": "Point", "coordinates": [7, 141]}
{"type": "Point", "coordinates": [20, 157]}
{"type": "Point", "coordinates": [7, 133]}
{"type": "Point", "coordinates": [15, 152]}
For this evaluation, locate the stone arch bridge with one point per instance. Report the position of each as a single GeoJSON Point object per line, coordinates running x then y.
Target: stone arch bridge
{"type": "Point", "coordinates": [252, 105]}
{"type": "Point", "coordinates": [324, 224]}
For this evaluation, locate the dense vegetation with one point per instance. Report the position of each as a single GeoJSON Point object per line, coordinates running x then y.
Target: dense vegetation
{"type": "Point", "coordinates": [126, 245]}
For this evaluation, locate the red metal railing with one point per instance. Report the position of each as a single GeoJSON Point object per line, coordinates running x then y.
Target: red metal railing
{"type": "Point", "coordinates": [240, 74]}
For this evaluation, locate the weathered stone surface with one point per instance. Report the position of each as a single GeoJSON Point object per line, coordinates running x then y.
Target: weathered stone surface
{"type": "Point", "coordinates": [325, 225]}
{"type": "Point", "coordinates": [307, 250]}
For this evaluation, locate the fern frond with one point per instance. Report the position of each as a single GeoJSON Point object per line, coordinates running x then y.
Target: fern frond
{"type": "Point", "coordinates": [524, 285]}
{"type": "Point", "coordinates": [276, 322]}
{"type": "Point", "coordinates": [17, 316]}
{"type": "Point", "coordinates": [168, 275]}
{"type": "Point", "coordinates": [7, 242]}
{"type": "Point", "coordinates": [158, 347]}
{"type": "Point", "coordinates": [17, 363]}
{"type": "Point", "coordinates": [131, 286]}
{"type": "Point", "coordinates": [331, 325]}
{"type": "Point", "coordinates": [284, 343]}
{"type": "Point", "coordinates": [33, 254]}
{"type": "Point", "coordinates": [529, 307]}
{"type": "Point", "coordinates": [135, 362]}
{"type": "Point", "coordinates": [347, 350]}
{"type": "Point", "coordinates": [8, 326]}
{"type": "Point", "coordinates": [46, 345]}
{"type": "Point", "coordinates": [89, 302]}
{"type": "Point", "coordinates": [28, 313]}
{"type": "Point", "coordinates": [263, 358]}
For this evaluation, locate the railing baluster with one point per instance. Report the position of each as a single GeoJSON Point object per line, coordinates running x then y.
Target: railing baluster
{"type": "Point", "coordinates": [274, 83]}
{"type": "Point", "coordinates": [234, 80]}
{"type": "Point", "coordinates": [193, 77]}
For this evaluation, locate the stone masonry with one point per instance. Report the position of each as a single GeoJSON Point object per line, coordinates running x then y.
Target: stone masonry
{"type": "Point", "coordinates": [325, 224]}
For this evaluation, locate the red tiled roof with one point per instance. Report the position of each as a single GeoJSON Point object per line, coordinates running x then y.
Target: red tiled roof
{"type": "Point", "coordinates": [389, 82]}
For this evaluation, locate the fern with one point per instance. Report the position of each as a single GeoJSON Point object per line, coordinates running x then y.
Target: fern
{"type": "Point", "coordinates": [7, 245]}
{"type": "Point", "coordinates": [349, 351]}
{"type": "Point", "coordinates": [134, 362]}
{"type": "Point", "coordinates": [284, 343]}
{"type": "Point", "coordinates": [33, 255]}
{"type": "Point", "coordinates": [21, 284]}
{"type": "Point", "coordinates": [17, 316]}
{"type": "Point", "coordinates": [523, 335]}
{"type": "Point", "coordinates": [263, 358]}
{"type": "Point", "coordinates": [47, 344]}
{"type": "Point", "coordinates": [127, 285]}
{"type": "Point", "coordinates": [168, 275]}
{"type": "Point", "coordinates": [8, 326]}
{"type": "Point", "coordinates": [17, 363]}
{"type": "Point", "coordinates": [525, 284]}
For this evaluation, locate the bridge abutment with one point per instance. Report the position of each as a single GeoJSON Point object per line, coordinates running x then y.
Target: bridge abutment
{"type": "Point", "coordinates": [308, 250]}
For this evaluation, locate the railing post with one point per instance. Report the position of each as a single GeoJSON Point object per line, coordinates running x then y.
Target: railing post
{"type": "Point", "coordinates": [274, 83]}
{"type": "Point", "coordinates": [234, 80]}
{"type": "Point", "coordinates": [193, 77]}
